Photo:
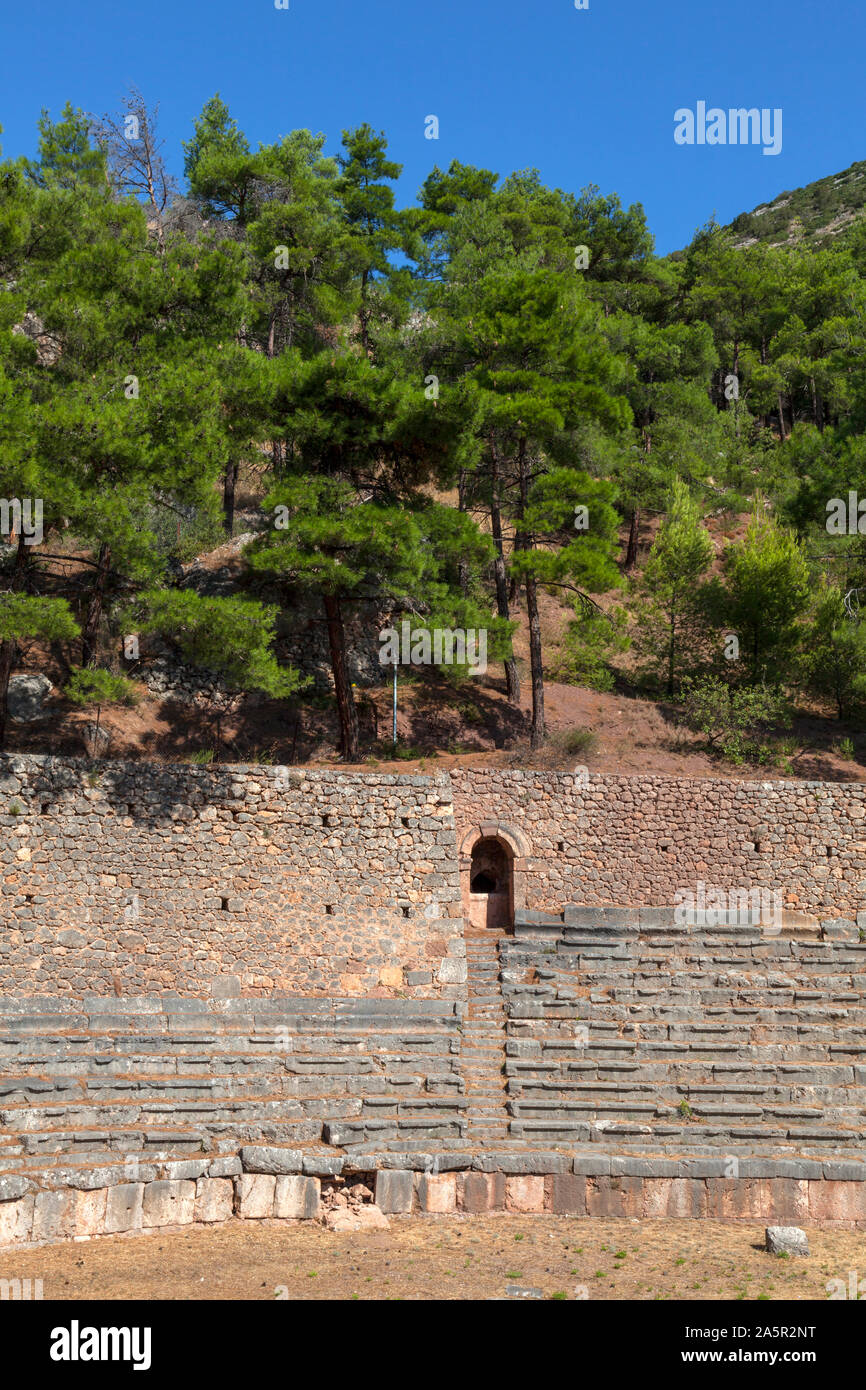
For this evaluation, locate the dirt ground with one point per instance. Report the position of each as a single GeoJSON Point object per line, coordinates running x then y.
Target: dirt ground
{"type": "Point", "coordinates": [445, 1258]}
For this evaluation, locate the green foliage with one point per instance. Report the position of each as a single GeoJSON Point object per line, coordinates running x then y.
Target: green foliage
{"type": "Point", "coordinates": [580, 741]}
{"type": "Point", "coordinates": [589, 646]}
{"type": "Point", "coordinates": [672, 625]}
{"type": "Point", "coordinates": [48, 619]}
{"type": "Point", "coordinates": [202, 757]}
{"type": "Point", "coordinates": [832, 662]}
{"type": "Point", "coordinates": [735, 721]}
{"type": "Point", "coordinates": [766, 591]}
{"type": "Point", "coordinates": [287, 316]}
{"type": "Point", "coordinates": [99, 687]}
{"type": "Point", "coordinates": [67, 160]}
{"type": "Point", "coordinates": [230, 636]}
{"type": "Point", "coordinates": [809, 210]}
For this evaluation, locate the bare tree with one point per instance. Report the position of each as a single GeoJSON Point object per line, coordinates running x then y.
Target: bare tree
{"type": "Point", "coordinates": [134, 155]}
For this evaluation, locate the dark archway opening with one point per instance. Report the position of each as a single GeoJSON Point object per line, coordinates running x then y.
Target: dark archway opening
{"type": "Point", "coordinates": [491, 886]}
{"type": "Point", "coordinates": [484, 883]}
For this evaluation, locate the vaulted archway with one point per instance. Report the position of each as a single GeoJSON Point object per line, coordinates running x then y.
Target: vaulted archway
{"type": "Point", "coordinates": [493, 866]}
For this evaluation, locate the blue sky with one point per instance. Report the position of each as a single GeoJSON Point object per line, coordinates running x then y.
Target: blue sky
{"type": "Point", "coordinates": [584, 96]}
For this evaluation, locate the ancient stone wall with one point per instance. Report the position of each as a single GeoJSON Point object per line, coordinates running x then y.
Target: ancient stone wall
{"type": "Point", "coordinates": [138, 878]}
{"type": "Point", "coordinates": [219, 882]}
{"type": "Point", "coordinates": [640, 840]}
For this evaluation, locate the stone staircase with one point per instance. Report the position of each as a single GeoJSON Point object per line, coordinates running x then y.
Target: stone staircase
{"type": "Point", "coordinates": [653, 1037]}
{"type": "Point", "coordinates": [589, 1034]}
{"type": "Point", "coordinates": [110, 1082]}
{"type": "Point", "coordinates": [483, 1052]}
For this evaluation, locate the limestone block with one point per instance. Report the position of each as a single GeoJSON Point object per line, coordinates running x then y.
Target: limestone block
{"type": "Point", "coordinates": [123, 1208]}
{"type": "Point", "coordinates": [214, 1199]}
{"type": "Point", "coordinates": [256, 1195]}
{"type": "Point", "coordinates": [524, 1194]}
{"type": "Point", "coordinates": [437, 1192]}
{"type": "Point", "coordinates": [296, 1198]}
{"type": "Point", "coordinates": [16, 1221]}
{"type": "Point", "coordinates": [168, 1204]}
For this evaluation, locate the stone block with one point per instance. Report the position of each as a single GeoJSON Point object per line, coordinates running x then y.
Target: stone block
{"type": "Point", "coordinates": [614, 1196]}
{"type": "Point", "coordinates": [228, 1167]}
{"type": "Point", "coordinates": [188, 1168]}
{"type": "Point", "coordinates": [786, 1240]}
{"type": "Point", "coordinates": [437, 1192]}
{"type": "Point", "coordinates": [16, 1221]}
{"type": "Point", "coordinates": [88, 1212]}
{"type": "Point", "coordinates": [837, 1201]}
{"type": "Point", "coordinates": [321, 1165]}
{"type": "Point", "coordinates": [256, 1195]}
{"type": "Point", "coordinates": [297, 1198]}
{"type": "Point", "coordinates": [567, 1194]}
{"type": "Point", "coordinates": [53, 1216]}
{"type": "Point", "coordinates": [452, 971]}
{"type": "Point", "coordinates": [475, 1192]}
{"type": "Point", "coordinates": [259, 1159]}
{"type": "Point", "coordinates": [214, 1199]}
{"type": "Point", "coordinates": [123, 1208]}
{"type": "Point", "coordinates": [666, 1197]}
{"type": "Point", "coordinates": [591, 1166]}
{"type": "Point", "coordinates": [170, 1203]}
{"type": "Point", "coordinates": [395, 1190]}
{"type": "Point", "coordinates": [845, 1171]}
{"type": "Point", "coordinates": [524, 1194]}
{"type": "Point", "coordinates": [13, 1187]}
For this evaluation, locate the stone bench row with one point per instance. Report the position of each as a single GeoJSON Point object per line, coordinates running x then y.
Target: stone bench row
{"type": "Point", "coordinates": [559, 1128]}
{"type": "Point", "coordinates": [675, 919]}
{"type": "Point", "coordinates": [310, 1087]}
{"type": "Point", "coordinates": [541, 1084]}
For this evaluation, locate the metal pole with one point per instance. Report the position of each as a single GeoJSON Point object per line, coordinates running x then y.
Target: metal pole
{"type": "Point", "coordinates": [395, 704]}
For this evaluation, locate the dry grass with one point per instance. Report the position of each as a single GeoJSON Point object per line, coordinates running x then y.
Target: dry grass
{"type": "Point", "coordinates": [447, 1258]}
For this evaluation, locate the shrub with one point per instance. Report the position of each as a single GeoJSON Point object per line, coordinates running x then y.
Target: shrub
{"type": "Point", "coordinates": [99, 687]}
{"type": "Point", "coordinates": [580, 741]}
{"type": "Point", "coordinates": [589, 645]}
{"type": "Point", "coordinates": [733, 720]}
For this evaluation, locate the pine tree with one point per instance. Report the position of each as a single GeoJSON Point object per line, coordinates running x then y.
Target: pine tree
{"type": "Point", "coordinates": [766, 591]}
{"type": "Point", "coordinates": [673, 623]}
{"type": "Point", "coordinates": [374, 225]}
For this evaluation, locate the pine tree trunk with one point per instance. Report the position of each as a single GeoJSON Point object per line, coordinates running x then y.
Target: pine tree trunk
{"type": "Point", "coordinates": [537, 729]}
{"type": "Point", "coordinates": [7, 649]}
{"type": "Point", "coordinates": [348, 715]}
{"type": "Point", "coordinates": [672, 656]}
{"type": "Point", "coordinates": [90, 635]}
{"type": "Point", "coordinates": [230, 480]}
{"type": "Point", "coordinates": [462, 568]}
{"type": "Point", "coordinates": [512, 679]}
{"type": "Point", "coordinates": [631, 548]}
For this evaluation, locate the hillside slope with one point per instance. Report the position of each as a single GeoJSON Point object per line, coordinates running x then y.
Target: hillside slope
{"type": "Point", "coordinates": [814, 214]}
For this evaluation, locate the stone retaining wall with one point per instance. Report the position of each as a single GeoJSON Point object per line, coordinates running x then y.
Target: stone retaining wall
{"type": "Point", "coordinates": [135, 877]}
{"type": "Point", "coordinates": [210, 1191]}
{"type": "Point", "coordinates": [640, 840]}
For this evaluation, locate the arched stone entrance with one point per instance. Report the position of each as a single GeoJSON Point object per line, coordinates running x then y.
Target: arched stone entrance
{"type": "Point", "coordinates": [491, 898]}
{"type": "Point", "coordinates": [493, 867]}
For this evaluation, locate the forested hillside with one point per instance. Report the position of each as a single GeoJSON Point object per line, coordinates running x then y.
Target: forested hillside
{"type": "Point", "coordinates": [495, 410]}
{"type": "Point", "coordinates": [815, 214]}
